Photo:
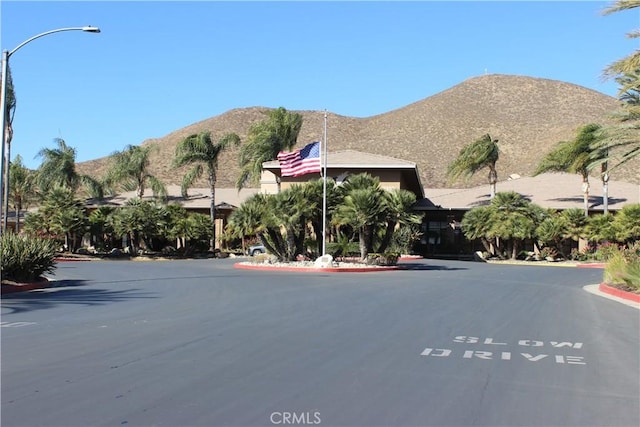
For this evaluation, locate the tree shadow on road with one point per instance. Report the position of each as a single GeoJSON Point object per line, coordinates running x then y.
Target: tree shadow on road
{"type": "Point", "coordinates": [66, 292]}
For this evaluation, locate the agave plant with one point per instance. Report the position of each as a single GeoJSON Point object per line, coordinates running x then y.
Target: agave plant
{"type": "Point", "coordinates": [26, 258]}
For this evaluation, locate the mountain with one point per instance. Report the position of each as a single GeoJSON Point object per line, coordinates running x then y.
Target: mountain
{"type": "Point", "coordinates": [528, 116]}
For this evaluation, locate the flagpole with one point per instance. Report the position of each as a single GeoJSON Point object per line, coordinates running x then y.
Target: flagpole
{"type": "Point", "coordinates": [324, 189]}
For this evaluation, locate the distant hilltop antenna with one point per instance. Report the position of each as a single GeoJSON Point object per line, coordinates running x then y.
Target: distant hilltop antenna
{"type": "Point", "coordinates": [485, 71]}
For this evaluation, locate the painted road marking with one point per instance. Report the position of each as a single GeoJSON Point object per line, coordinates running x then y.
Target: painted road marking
{"type": "Point", "coordinates": [539, 355]}
{"type": "Point", "coordinates": [15, 324]}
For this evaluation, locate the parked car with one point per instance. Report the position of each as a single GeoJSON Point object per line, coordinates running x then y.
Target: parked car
{"type": "Point", "coordinates": [256, 250]}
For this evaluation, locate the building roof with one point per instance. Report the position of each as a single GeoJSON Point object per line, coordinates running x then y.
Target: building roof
{"type": "Point", "coordinates": [226, 198]}
{"type": "Point", "coordinates": [358, 160]}
{"type": "Point", "coordinates": [354, 159]}
{"type": "Point", "coordinates": [549, 190]}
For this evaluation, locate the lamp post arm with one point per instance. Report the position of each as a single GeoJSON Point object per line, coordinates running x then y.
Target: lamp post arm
{"type": "Point", "coordinates": [5, 159]}
{"type": "Point", "coordinates": [58, 30]}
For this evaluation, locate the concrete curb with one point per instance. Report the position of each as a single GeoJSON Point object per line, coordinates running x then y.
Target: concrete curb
{"type": "Point", "coordinates": [315, 269]}
{"type": "Point", "coordinates": [595, 289]}
{"type": "Point", "coordinates": [549, 264]}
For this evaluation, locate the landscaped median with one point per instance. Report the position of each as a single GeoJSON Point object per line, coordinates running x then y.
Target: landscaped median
{"type": "Point", "coordinates": [311, 268]}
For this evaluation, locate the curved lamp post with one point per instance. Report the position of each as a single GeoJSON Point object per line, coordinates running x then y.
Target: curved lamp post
{"type": "Point", "coordinates": [6, 149]}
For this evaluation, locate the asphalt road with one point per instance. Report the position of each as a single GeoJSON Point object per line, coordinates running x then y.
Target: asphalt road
{"type": "Point", "coordinates": [199, 343]}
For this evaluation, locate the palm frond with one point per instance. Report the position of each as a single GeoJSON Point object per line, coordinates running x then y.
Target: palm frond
{"type": "Point", "coordinates": [189, 178]}
{"type": "Point", "coordinates": [621, 5]}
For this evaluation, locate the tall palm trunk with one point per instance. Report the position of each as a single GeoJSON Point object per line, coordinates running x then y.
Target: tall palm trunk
{"type": "Point", "coordinates": [388, 234]}
{"type": "Point", "coordinates": [585, 193]}
{"type": "Point", "coordinates": [363, 245]}
{"type": "Point", "coordinates": [140, 189]}
{"type": "Point", "coordinates": [17, 218]}
{"type": "Point", "coordinates": [605, 187]}
{"type": "Point", "coordinates": [212, 208]}
{"type": "Point", "coordinates": [493, 179]}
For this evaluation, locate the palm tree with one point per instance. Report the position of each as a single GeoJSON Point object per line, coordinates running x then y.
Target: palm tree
{"type": "Point", "coordinates": [246, 220]}
{"type": "Point", "coordinates": [58, 168]}
{"type": "Point", "coordinates": [131, 168]}
{"type": "Point", "coordinates": [576, 156]}
{"type": "Point", "coordinates": [140, 221]}
{"type": "Point", "coordinates": [362, 208]}
{"type": "Point", "coordinates": [60, 213]}
{"type": "Point", "coordinates": [625, 132]}
{"type": "Point", "coordinates": [99, 227]}
{"type": "Point", "coordinates": [514, 218]}
{"type": "Point", "coordinates": [199, 149]}
{"type": "Point", "coordinates": [600, 228]}
{"type": "Point", "coordinates": [473, 157]}
{"type": "Point", "coordinates": [476, 224]}
{"type": "Point", "coordinates": [291, 210]}
{"type": "Point", "coordinates": [279, 132]}
{"type": "Point", "coordinates": [398, 204]}
{"type": "Point", "coordinates": [21, 187]}
{"type": "Point", "coordinates": [626, 72]}
{"type": "Point", "coordinates": [314, 194]}
{"type": "Point", "coordinates": [630, 63]}
{"type": "Point", "coordinates": [627, 223]}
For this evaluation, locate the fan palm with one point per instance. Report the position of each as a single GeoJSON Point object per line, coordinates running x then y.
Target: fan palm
{"type": "Point", "coordinates": [398, 204]}
{"type": "Point", "coordinates": [200, 150]}
{"type": "Point", "coordinates": [478, 155]}
{"type": "Point", "coordinates": [476, 224]}
{"type": "Point", "coordinates": [247, 220]}
{"type": "Point", "coordinates": [362, 209]}
{"type": "Point", "coordinates": [63, 214]}
{"type": "Point", "coordinates": [314, 194]}
{"type": "Point", "coordinates": [279, 132]}
{"type": "Point", "coordinates": [513, 219]}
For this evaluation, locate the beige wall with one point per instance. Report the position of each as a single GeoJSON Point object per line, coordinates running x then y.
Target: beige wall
{"type": "Point", "coordinates": [389, 180]}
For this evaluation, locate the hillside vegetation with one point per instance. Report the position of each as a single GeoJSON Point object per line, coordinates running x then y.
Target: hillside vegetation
{"type": "Point", "coordinates": [527, 115]}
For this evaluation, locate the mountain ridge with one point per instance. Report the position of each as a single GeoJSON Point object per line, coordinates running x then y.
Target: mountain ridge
{"type": "Point", "coordinates": [528, 115]}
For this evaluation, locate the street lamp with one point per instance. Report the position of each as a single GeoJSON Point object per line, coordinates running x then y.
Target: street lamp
{"type": "Point", "coordinates": [6, 149]}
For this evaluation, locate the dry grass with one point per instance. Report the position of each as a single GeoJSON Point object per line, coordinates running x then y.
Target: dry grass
{"type": "Point", "coordinates": [527, 115]}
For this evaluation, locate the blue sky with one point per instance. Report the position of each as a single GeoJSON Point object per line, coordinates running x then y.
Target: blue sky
{"type": "Point", "coordinates": [159, 66]}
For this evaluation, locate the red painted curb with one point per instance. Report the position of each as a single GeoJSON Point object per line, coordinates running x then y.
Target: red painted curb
{"type": "Point", "coordinates": [630, 296]}
{"type": "Point", "coordinates": [24, 287]}
{"type": "Point", "coordinates": [314, 269]}
{"type": "Point", "coordinates": [410, 258]}
{"type": "Point", "coordinates": [592, 265]}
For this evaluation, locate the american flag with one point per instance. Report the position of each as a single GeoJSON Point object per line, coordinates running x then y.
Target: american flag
{"type": "Point", "coordinates": [300, 162]}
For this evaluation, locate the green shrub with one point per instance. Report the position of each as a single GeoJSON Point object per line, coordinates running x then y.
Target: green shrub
{"type": "Point", "coordinates": [606, 250]}
{"type": "Point", "coordinates": [387, 258]}
{"type": "Point", "coordinates": [548, 252]}
{"type": "Point", "coordinates": [623, 267]}
{"type": "Point", "coordinates": [26, 258]}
